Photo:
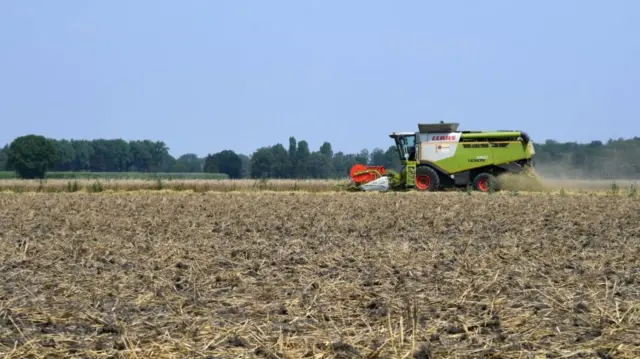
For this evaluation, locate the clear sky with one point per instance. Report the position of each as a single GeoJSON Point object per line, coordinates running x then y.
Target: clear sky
{"type": "Point", "coordinates": [207, 75]}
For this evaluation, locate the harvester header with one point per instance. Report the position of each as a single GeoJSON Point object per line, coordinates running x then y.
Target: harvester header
{"type": "Point", "coordinates": [439, 156]}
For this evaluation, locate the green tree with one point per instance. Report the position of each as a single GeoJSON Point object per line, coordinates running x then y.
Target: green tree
{"type": "Point", "coordinates": [226, 161]}
{"type": "Point", "coordinates": [302, 160]}
{"type": "Point", "coordinates": [246, 166]}
{"type": "Point", "coordinates": [31, 156]}
{"type": "Point", "coordinates": [102, 156]}
{"type": "Point", "coordinates": [211, 164]}
{"type": "Point", "coordinates": [140, 154]}
{"type": "Point", "coordinates": [83, 150]}
{"type": "Point", "coordinates": [392, 159]}
{"type": "Point", "coordinates": [280, 167]}
{"type": "Point", "coordinates": [339, 164]}
{"type": "Point", "coordinates": [3, 157]}
{"type": "Point", "coordinates": [66, 155]}
{"type": "Point", "coordinates": [325, 169]}
{"type": "Point", "coordinates": [168, 162]}
{"type": "Point", "coordinates": [377, 157]}
{"type": "Point", "coordinates": [121, 155]}
{"type": "Point", "coordinates": [363, 157]}
{"type": "Point", "coordinates": [262, 162]}
{"type": "Point", "coordinates": [189, 162]}
{"type": "Point", "coordinates": [293, 152]}
{"type": "Point", "coordinates": [315, 165]}
{"type": "Point", "coordinates": [159, 156]}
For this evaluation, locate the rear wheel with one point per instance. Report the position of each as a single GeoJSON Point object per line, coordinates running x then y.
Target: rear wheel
{"type": "Point", "coordinates": [484, 181]}
{"type": "Point", "coordinates": [427, 179]}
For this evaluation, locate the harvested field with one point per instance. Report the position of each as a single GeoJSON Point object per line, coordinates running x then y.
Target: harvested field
{"type": "Point", "coordinates": [252, 185]}
{"type": "Point", "coordinates": [326, 275]}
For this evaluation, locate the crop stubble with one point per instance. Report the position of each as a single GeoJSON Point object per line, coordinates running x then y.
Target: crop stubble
{"type": "Point", "coordinates": [298, 275]}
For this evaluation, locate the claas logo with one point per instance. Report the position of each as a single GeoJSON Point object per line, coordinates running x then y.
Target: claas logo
{"type": "Point", "coordinates": [443, 138]}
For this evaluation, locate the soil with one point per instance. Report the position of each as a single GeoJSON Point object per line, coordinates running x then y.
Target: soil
{"type": "Point", "coordinates": [335, 275]}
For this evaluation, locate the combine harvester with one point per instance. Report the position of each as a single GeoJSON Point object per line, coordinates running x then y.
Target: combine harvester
{"type": "Point", "coordinates": [439, 156]}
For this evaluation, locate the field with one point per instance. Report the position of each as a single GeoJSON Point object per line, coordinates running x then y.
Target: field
{"type": "Point", "coordinates": [223, 185]}
{"type": "Point", "coordinates": [243, 185]}
{"type": "Point", "coordinates": [123, 175]}
{"type": "Point", "coordinates": [319, 275]}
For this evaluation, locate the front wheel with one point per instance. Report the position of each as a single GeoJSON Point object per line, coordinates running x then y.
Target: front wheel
{"type": "Point", "coordinates": [427, 179]}
{"type": "Point", "coordinates": [484, 181]}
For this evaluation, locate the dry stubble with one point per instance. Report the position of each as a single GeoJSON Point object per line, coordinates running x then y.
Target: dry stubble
{"type": "Point", "coordinates": [300, 275]}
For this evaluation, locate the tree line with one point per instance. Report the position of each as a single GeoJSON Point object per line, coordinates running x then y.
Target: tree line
{"type": "Point", "coordinates": [32, 156]}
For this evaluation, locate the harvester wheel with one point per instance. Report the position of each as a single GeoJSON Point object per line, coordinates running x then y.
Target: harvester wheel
{"type": "Point", "coordinates": [483, 182]}
{"type": "Point", "coordinates": [427, 179]}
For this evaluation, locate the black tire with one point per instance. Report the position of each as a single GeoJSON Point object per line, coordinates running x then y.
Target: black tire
{"type": "Point", "coordinates": [483, 182]}
{"type": "Point", "coordinates": [427, 179]}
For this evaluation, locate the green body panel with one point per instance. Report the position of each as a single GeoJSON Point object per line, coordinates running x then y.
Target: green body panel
{"type": "Point", "coordinates": [490, 134]}
{"type": "Point", "coordinates": [465, 159]}
{"type": "Point", "coordinates": [510, 152]}
{"type": "Point", "coordinates": [480, 154]}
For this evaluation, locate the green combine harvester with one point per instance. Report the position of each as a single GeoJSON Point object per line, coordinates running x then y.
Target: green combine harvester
{"type": "Point", "coordinates": [439, 156]}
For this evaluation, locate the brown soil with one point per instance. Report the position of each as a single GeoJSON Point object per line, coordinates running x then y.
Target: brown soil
{"type": "Point", "coordinates": [336, 275]}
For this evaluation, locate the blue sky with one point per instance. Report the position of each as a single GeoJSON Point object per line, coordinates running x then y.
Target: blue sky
{"type": "Point", "coordinates": [210, 75]}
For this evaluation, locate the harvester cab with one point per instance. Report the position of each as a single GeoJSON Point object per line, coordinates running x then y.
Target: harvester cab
{"type": "Point", "coordinates": [440, 156]}
{"type": "Point", "coordinates": [405, 144]}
